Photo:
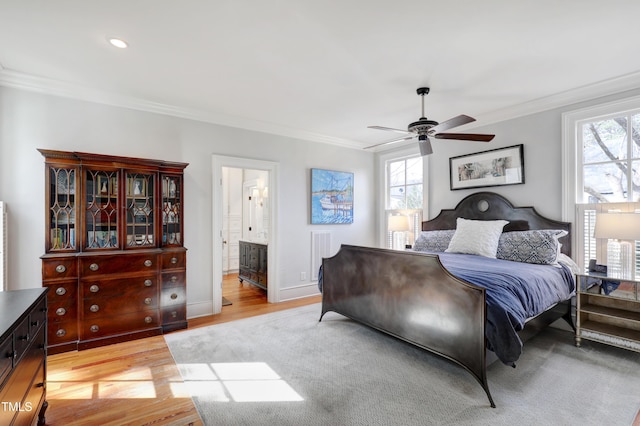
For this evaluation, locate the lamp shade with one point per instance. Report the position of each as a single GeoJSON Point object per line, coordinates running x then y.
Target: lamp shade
{"type": "Point", "coordinates": [398, 223]}
{"type": "Point", "coordinates": [620, 226]}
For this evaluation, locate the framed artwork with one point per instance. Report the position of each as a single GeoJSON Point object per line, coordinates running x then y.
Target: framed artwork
{"type": "Point", "coordinates": [331, 197]}
{"type": "Point", "coordinates": [496, 167]}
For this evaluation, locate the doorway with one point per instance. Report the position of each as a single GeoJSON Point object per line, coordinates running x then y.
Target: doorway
{"type": "Point", "coordinates": [244, 209]}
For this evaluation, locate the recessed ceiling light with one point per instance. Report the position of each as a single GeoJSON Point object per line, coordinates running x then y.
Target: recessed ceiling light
{"type": "Point", "coordinates": [118, 42]}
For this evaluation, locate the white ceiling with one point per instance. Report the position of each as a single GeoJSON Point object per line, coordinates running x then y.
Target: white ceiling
{"type": "Point", "coordinates": [323, 70]}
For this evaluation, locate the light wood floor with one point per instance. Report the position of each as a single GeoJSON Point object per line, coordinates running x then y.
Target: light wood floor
{"type": "Point", "coordinates": [138, 383]}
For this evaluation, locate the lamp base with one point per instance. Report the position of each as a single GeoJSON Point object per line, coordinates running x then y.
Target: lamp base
{"type": "Point", "coordinates": [619, 259]}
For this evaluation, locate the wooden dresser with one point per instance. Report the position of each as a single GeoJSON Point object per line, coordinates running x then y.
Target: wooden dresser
{"type": "Point", "coordinates": [253, 263]}
{"type": "Point", "coordinates": [114, 261]}
{"type": "Point", "coordinates": [23, 361]}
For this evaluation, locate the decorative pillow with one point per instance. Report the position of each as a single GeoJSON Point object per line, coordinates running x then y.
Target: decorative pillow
{"type": "Point", "coordinates": [433, 240]}
{"type": "Point", "coordinates": [538, 246]}
{"type": "Point", "coordinates": [479, 237]}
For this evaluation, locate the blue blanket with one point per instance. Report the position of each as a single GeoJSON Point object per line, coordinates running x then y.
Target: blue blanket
{"type": "Point", "coordinates": [515, 292]}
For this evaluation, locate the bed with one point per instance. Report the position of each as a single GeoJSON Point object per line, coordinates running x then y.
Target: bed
{"type": "Point", "coordinates": [453, 304]}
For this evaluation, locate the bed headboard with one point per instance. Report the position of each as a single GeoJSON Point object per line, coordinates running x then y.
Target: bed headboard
{"type": "Point", "coordinates": [491, 206]}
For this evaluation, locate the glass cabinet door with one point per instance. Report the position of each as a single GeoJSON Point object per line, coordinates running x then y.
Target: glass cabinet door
{"type": "Point", "coordinates": [140, 209]}
{"type": "Point", "coordinates": [62, 209]}
{"type": "Point", "coordinates": [171, 210]}
{"type": "Point", "coordinates": [101, 214]}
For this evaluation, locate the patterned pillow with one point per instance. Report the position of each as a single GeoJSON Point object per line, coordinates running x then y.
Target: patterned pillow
{"type": "Point", "coordinates": [539, 246]}
{"type": "Point", "coordinates": [433, 240]}
{"type": "Point", "coordinates": [479, 237]}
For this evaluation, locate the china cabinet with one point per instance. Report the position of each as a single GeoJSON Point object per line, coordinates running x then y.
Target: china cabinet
{"type": "Point", "coordinates": [114, 261]}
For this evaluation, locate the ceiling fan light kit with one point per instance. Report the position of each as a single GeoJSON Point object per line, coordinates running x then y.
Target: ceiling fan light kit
{"type": "Point", "coordinates": [425, 128]}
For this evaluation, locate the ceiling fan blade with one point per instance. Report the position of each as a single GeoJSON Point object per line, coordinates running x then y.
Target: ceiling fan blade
{"type": "Point", "coordinates": [406, 138]}
{"type": "Point", "coordinates": [451, 123]}
{"type": "Point", "coordinates": [389, 129]}
{"type": "Point", "coordinates": [465, 136]}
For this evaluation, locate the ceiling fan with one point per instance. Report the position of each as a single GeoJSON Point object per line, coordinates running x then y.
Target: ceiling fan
{"type": "Point", "coordinates": [425, 128]}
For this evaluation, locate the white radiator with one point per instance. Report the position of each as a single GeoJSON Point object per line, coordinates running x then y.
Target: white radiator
{"type": "Point", "coordinates": [320, 247]}
{"type": "Point", "coordinates": [3, 247]}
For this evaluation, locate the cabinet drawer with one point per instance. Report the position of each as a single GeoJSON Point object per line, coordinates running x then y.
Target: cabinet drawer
{"type": "Point", "coordinates": [174, 296]}
{"type": "Point", "coordinates": [63, 310]}
{"type": "Point", "coordinates": [119, 287]}
{"type": "Point", "coordinates": [127, 322]}
{"type": "Point", "coordinates": [24, 371]}
{"type": "Point", "coordinates": [61, 291]}
{"type": "Point", "coordinates": [62, 332]}
{"type": "Point", "coordinates": [118, 264]}
{"type": "Point", "coordinates": [38, 317]}
{"type": "Point", "coordinates": [174, 314]}
{"type": "Point", "coordinates": [66, 267]}
{"type": "Point", "coordinates": [22, 339]}
{"type": "Point", "coordinates": [174, 259]}
{"type": "Point", "coordinates": [34, 396]}
{"type": "Point", "coordinates": [109, 306]}
{"type": "Point", "coordinates": [6, 358]}
{"type": "Point", "coordinates": [173, 279]}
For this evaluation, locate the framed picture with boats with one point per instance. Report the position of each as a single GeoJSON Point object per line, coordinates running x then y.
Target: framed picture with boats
{"type": "Point", "coordinates": [331, 197]}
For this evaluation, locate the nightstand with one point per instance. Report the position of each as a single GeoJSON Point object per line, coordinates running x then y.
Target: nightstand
{"type": "Point", "coordinates": [608, 310]}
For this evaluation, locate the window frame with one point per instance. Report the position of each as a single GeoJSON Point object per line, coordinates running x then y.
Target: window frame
{"type": "Point", "coordinates": [572, 177]}
{"type": "Point", "coordinates": [383, 160]}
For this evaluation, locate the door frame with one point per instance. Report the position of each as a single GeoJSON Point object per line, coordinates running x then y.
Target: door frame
{"type": "Point", "coordinates": [218, 162]}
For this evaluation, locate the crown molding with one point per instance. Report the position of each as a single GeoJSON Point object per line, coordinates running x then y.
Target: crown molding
{"type": "Point", "coordinates": [580, 94]}
{"type": "Point", "coordinates": [23, 81]}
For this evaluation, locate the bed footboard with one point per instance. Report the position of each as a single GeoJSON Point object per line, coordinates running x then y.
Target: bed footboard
{"type": "Point", "coordinates": [411, 296]}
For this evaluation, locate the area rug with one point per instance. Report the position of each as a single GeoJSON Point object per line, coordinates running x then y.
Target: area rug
{"type": "Point", "coordinates": [286, 368]}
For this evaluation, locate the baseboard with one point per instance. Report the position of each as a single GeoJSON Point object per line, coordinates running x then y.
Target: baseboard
{"type": "Point", "coordinates": [298, 292]}
{"type": "Point", "coordinates": [203, 309]}
{"type": "Point", "coordinates": [199, 309]}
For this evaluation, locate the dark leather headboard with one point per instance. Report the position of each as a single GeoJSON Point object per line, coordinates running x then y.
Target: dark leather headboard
{"type": "Point", "coordinates": [491, 206]}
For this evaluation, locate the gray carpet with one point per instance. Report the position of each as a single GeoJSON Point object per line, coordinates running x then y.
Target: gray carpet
{"type": "Point", "coordinates": [286, 368]}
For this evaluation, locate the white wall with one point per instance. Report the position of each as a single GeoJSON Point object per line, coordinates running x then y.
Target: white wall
{"type": "Point", "coordinates": [30, 120]}
{"type": "Point", "coordinates": [541, 135]}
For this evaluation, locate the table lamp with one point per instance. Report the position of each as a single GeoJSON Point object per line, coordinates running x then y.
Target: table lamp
{"type": "Point", "coordinates": [620, 229]}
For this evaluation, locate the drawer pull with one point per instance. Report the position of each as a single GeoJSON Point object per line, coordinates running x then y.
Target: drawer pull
{"type": "Point", "coordinates": [94, 267]}
{"type": "Point", "coordinates": [174, 314]}
{"type": "Point", "coordinates": [147, 301]}
{"type": "Point", "coordinates": [35, 323]}
{"type": "Point", "coordinates": [61, 311]}
{"type": "Point", "coordinates": [94, 308]}
{"type": "Point", "coordinates": [94, 289]}
{"type": "Point", "coordinates": [60, 269]}
{"type": "Point", "coordinates": [12, 354]}
{"type": "Point", "coordinates": [40, 385]}
{"type": "Point", "coordinates": [61, 291]}
{"type": "Point", "coordinates": [148, 283]}
{"type": "Point", "coordinates": [94, 328]}
{"type": "Point", "coordinates": [174, 279]}
{"type": "Point", "coordinates": [148, 263]}
{"type": "Point", "coordinates": [25, 337]}
{"type": "Point", "coordinates": [174, 296]}
{"type": "Point", "coordinates": [174, 260]}
{"type": "Point", "coordinates": [148, 320]}
{"type": "Point", "coordinates": [61, 332]}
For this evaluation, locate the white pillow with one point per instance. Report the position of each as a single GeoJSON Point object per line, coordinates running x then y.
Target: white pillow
{"type": "Point", "coordinates": [479, 237]}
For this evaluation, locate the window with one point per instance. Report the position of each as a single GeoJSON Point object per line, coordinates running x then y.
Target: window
{"type": "Point", "coordinates": [601, 151]}
{"type": "Point", "coordinates": [610, 149]}
{"type": "Point", "coordinates": [404, 199]}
